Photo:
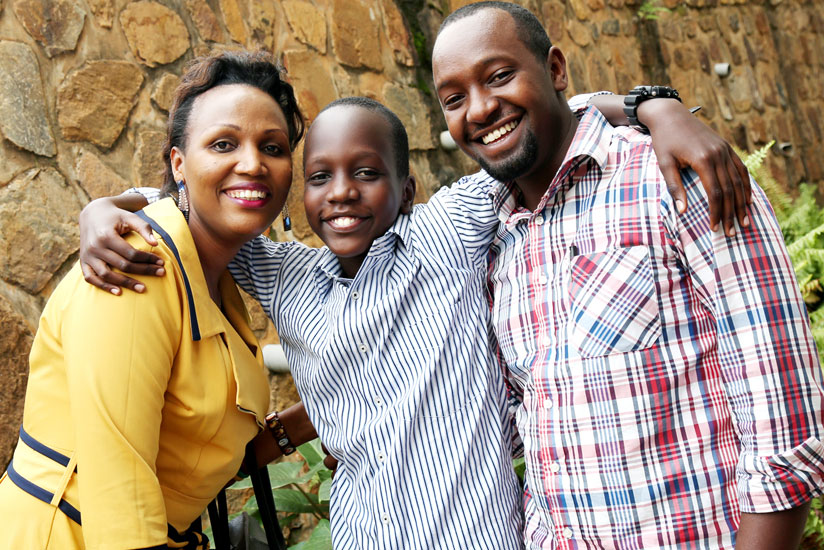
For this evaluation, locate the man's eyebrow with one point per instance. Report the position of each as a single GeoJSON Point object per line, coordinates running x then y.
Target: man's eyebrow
{"type": "Point", "coordinates": [481, 64]}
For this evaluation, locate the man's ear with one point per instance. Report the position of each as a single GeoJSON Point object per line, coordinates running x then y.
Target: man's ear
{"type": "Point", "coordinates": [556, 64]}
{"type": "Point", "coordinates": [176, 159]}
{"type": "Point", "coordinates": [408, 196]}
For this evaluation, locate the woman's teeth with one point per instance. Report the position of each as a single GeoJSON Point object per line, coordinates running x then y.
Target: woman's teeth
{"type": "Point", "coordinates": [502, 131]}
{"type": "Point", "coordinates": [247, 194]}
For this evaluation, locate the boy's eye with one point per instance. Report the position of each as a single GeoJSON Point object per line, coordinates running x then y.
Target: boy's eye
{"type": "Point", "coordinates": [367, 173]}
{"type": "Point", "coordinates": [317, 178]}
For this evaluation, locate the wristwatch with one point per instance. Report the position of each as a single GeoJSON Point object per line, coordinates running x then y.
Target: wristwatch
{"type": "Point", "coordinates": [640, 94]}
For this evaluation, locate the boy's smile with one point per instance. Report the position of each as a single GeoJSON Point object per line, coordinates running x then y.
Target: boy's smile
{"type": "Point", "coordinates": [352, 193]}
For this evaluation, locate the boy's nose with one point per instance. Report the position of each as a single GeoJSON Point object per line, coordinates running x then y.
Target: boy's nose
{"type": "Point", "coordinates": [342, 189]}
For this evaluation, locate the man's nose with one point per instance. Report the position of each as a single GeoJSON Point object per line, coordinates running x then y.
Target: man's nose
{"type": "Point", "coordinates": [481, 107]}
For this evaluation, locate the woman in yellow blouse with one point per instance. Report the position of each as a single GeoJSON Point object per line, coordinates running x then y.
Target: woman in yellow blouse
{"type": "Point", "coordinates": [138, 408]}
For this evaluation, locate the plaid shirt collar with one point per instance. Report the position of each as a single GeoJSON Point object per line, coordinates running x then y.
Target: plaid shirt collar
{"type": "Point", "coordinates": [591, 141]}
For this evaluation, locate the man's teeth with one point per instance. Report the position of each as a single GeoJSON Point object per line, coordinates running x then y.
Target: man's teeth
{"type": "Point", "coordinates": [247, 194]}
{"type": "Point", "coordinates": [496, 134]}
{"type": "Point", "coordinates": [344, 221]}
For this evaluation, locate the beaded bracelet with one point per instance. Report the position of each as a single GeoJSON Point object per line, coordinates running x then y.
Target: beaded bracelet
{"type": "Point", "coordinates": [279, 432]}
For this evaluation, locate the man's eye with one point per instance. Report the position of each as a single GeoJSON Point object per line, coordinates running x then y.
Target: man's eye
{"type": "Point", "coordinates": [452, 101]}
{"type": "Point", "coordinates": [499, 76]}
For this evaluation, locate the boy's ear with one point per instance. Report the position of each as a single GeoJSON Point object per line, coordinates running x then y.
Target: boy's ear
{"type": "Point", "coordinates": [408, 196]}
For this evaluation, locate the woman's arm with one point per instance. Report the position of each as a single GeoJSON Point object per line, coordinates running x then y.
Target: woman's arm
{"type": "Point", "coordinates": [682, 141]}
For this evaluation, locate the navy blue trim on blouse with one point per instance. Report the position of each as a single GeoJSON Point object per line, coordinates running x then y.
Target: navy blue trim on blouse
{"type": "Point", "coordinates": [189, 296]}
{"type": "Point", "coordinates": [61, 459]}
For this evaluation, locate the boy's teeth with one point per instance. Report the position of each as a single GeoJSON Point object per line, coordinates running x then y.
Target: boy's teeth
{"type": "Point", "coordinates": [496, 134]}
{"type": "Point", "coordinates": [247, 194]}
{"type": "Point", "coordinates": [344, 221]}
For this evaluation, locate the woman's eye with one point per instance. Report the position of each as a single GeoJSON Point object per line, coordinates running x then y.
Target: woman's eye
{"type": "Point", "coordinates": [222, 146]}
{"type": "Point", "coordinates": [272, 150]}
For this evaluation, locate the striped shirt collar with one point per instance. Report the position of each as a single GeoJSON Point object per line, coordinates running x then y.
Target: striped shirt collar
{"type": "Point", "coordinates": [328, 267]}
{"type": "Point", "coordinates": [591, 141]}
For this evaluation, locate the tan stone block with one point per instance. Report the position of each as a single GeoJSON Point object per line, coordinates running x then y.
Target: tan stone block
{"type": "Point", "coordinates": [164, 90]}
{"type": "Point", "coordinates": [15, 342]}
{"type": "Point", "coordinates": [762, 23]}
{"type": "Point", "coordinates": [307, 22]}
{"type": "Point", "coordinates": [233, 19]}
{"type": "Point", "coordinates": [103, 11]}
{"type": "Point", "coordinates": [398, 35]}
{"type": "Point", "coordinates": [147, 163]}
{"type": "Point", "coordinates": [311, 78]}
{"type": "Point", "coordinates": [96, 177]}
{"type": "Point", "coordinates": [93, 102]}
{"type": "Point", "coordinates": [260, 19]}
{"type": "Point", "coordinates": [413, 110]}
{"type": "Point", "coordinates": [685, 57]}
{"type": "Point", "coordinates": [601, 76]}
{"type": "Point", "coordinates": [581, 9]}
{"type": "Point", "coordinates": [595, 5]}
{"type": "Point", "coordinates": [55, 24]}
{"type": "Point", "coordinates": [356, 34]}
{"type": "Point", "coordinates": [554, 15]}
{"type": "Point", "coordinates": [724, 105]}
{"type": "Point", "coordinates": [14, 161]}
{"type": "Point", "coordinates": [156, 34]}
{"type": "Point", "coordinates": [740, 92]}
{"type": "Point", "coordinates": [205, 20]}
{"type": "Point", "coordinates": [38, 227]}
{"type": "Point", "coordinates": [23, 115]}
{"type": "Point", "coordinates": [579, 33]}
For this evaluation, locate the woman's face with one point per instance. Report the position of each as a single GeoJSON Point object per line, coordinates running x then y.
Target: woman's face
{"type": "Point", "coordinates": [237, 164]}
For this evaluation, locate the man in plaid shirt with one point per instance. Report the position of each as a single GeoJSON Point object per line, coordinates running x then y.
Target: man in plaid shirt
{"type": "Point", "coordinates": [671, 390]}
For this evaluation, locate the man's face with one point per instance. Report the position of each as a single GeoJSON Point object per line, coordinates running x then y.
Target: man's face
{"type": "Point", "coordinates": [501, 102]}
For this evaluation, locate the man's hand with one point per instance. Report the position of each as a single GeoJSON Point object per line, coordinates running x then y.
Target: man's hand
{"type": "Point", "coordinates": [682, 141]}
{"type": "Point", "coordinates": [102, 248]}
{"type": "Point", "coordinates": [329, 461]}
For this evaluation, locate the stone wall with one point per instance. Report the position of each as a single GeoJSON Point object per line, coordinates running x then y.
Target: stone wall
{"type": "Point", "coordinates": [85, 86]}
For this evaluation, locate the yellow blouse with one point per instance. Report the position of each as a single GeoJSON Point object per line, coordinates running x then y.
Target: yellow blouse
{"type": "Point", "coordinates": [153, 395]}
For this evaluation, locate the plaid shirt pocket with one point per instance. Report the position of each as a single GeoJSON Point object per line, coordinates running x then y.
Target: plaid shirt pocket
{"type": "Point", "coordinates": [613, 303]}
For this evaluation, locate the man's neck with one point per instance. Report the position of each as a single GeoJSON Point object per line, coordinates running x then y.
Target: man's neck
{"type": "Point", "coordinates": [534, 185]}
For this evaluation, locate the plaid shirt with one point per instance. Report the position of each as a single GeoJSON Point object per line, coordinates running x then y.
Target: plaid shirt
{"type": "Point", "coordinates": [669, 378]}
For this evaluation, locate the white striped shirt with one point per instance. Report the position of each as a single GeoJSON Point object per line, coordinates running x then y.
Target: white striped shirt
{"type": "Point", "coordinates": [398, 376]}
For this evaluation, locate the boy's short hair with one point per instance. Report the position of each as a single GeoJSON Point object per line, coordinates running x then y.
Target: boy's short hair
{"type": "Point", "coordinates": [530, 30]}
{"type": "Point", "coordinates": [400, 140]}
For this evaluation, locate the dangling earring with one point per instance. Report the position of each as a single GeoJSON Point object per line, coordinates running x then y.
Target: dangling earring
{"type": "Point", "coordinates": [183, 199]}
{"type": "Point", "coordinates": [287, 223]}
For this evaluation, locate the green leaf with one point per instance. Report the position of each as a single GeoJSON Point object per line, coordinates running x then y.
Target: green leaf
{"type": "Point", "coordinates": [284, 473]}
{"type": "Point", "coordinates": [290, 500]}
{"type": "Point", "coordinates": [321, 538]}
{"type": "Point", "coordinates": [324, 491]}
{"type": "Point", "coordinates": [312, 452]}
{"type": "Point", "coordinates": [520, 467]}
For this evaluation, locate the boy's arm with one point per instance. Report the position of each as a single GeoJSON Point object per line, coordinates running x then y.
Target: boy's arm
{"type": "Point", "coordinates": [298, 428]}
{"type": "Point", "coordinates": [102, 247]}
{"type": "Point", "coordinates": [682, 141]}
{"type": "Point", "coordinates": [773, 531]}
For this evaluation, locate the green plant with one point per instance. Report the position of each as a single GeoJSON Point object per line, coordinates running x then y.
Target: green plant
{"type": "Point", "coordinates": [300, 487]}
{"type": "Point", "coordinates": [650, 10]}
{"type": "Point", "coordinates": [802, 225]}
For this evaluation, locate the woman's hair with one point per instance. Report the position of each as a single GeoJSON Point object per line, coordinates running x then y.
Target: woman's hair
{"type": "Point", "coordinates": [256, 69]}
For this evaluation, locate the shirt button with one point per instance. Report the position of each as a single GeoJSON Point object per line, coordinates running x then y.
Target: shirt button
{"type": "Point", "coordinates": [385, 518]}
{"type": "Point", "coordinates": [543, 279]}
{"type": "Point", "coordinates": [378, 401]}
{"type": "Point", "coordinates": [539, 220]}
{"type": "Point", "coordinates": [546, 340]}
{"type": "Point", "coordinates": [362, 347]}
{"type": "Point", "coordinates": [355, 295]}
{"type": "Point", "coordinates": [567, 533]}
{"type": "Point", "coordinates": [548, 403]}
{"type": "Point", "coordinates": [381, 457]}
{"type": "Point", "coordinates": [554, 467]}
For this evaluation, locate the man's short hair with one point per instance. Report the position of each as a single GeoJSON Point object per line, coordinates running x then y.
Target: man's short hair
{"type": "Point", "coordinates": [530, 30]}
{"type": "Point", "coordinates": [400, 140]}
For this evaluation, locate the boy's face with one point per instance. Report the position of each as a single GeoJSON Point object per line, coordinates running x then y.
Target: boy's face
{"type": "Point", "coordinates": [352, 192]}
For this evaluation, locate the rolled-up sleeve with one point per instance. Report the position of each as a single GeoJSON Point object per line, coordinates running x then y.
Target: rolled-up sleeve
{"type": "Point", "coordinates": [767, 357]}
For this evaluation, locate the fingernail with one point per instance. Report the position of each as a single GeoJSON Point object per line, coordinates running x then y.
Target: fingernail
{"type": "Point", "coordinates": [679, 204]}
{"type": "Point", "coordinates": [714, 228]}
{"type": "Point", "coordinates": [115, 291]}
{"type": "Point", "coordinates": [139, 288]}
{"type": "Point", "coordinates": [159, 262]}
{"type": "Point", "coordinates": [746, 222]}
{"type": "Point", "coordinates": [160, 272]}
{"type": "Point", "coordinates": [732, 232]}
